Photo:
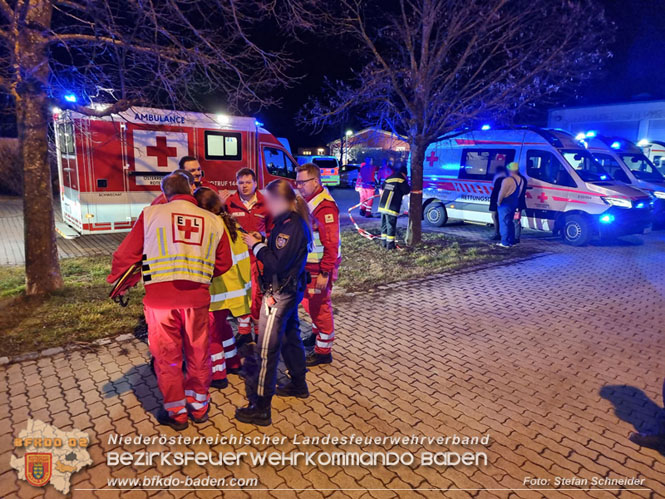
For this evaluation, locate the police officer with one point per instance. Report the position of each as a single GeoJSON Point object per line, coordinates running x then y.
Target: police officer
{"type": "Point", "coordinates": [283, 279]}
{"type": "Point", "coordinates": [181, 247]}
{"type": "Point", "coordinates": [394, 188]}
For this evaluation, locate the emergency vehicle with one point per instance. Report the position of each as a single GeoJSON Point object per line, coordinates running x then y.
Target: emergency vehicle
{"type": "Point", "coordinates": [655, 151]}
{"type": "Point", "coordinates": [328, 165]}
{"type": "Point", "coordinates": [110, 167]}
{"type": "Point", "coordinates": [626, 163]}
{"type": "Point", "coordinates": [569, 192]}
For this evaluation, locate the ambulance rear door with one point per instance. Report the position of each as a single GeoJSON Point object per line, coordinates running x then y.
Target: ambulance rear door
{"type": "Point", "coordinates": [70, 204]}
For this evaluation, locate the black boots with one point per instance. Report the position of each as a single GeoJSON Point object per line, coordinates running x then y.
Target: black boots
{"type": "Point", "coordinates": [314, 359]}
{"type": "Point", "coordinates": [257, 413]}
{"type": "Point", "coordinates": [164, 418]}
{"type": "Point", "coordinates": [297, 387]}
{"type": "Point", "coordinates": [219, 383]}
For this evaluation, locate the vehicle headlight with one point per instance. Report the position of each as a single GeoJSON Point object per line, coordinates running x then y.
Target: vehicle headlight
{"type": "Point", "coordinates": [613, 201]}
{"type": "Point", "coordinates": [659, 194]}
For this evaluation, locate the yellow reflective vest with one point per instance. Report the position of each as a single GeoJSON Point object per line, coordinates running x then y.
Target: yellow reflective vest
{"type": "Point", "coordinates": [179, 242]}
{"type": "Point", "coordinates": [233, 289]}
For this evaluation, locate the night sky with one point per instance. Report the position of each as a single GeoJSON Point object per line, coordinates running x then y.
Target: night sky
{"type": "Point", "coordinates": [636, 72]}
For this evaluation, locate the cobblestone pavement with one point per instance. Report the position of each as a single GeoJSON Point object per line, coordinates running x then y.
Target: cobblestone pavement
{"type": "Point", "coordinates": [557, 358]}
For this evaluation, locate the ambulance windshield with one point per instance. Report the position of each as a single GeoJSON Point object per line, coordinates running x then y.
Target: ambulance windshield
{"type": "Point", "coordinates": [586, 167]}
{"type": "Point", "coordinates": [642, 168]}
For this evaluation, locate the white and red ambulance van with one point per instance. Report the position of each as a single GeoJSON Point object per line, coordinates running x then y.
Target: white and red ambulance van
{"type": "Point", "coordinates": [569, 192]}
{"type": "Point", "coordinates": [626, 163]}
{"type": "Point", "coordinates": [110, 168]}
{"type": "Point", "coordinates": [655, 151]}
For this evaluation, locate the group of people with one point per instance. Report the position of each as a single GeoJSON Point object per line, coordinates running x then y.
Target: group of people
{"type": "Point", "coordinates": [393, 185]}
{"type": "Point", "coordinates": [507, 201]}
{"type": "Point", "coordinates": [207, 255]}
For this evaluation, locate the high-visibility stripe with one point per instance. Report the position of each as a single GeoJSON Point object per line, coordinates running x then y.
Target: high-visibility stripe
{"type": "Point", "coordinates": [186, 258]}
{"type": "Point", "coordinates": [177, 270]}
{"type": "Point", "coordinates": [323, 344]}
{"type": "Point", "coordinates": [231, 294]}
{"type": "Point", "coordinates": [388, 212]}
{"type": "Point", "coordinates": [217, 356]}
{"type": "Point", "coordinates": [162, 242]}
{"type": "Point", "coordinates": [212, 239]}
{"type": "Point", "coordinates": [228, 343]}
{"type": "Point", "coordinates": [240, 257]}
{"type": "Point", "coordinates": [323, 336]}
{"type": "Point", "coordinates": [231, 353]}
{"type": "Point", "coordinates": [177, 403]}
{"type": "Point", "coordinates": [219, 368]}
{"type": "Point", "coordinates": [199, 405]}
{"type": "Point", "coordinates": [201, 397]}
{"type": "Point", "coordinates": [393, 180]}
{"type": "Point", "coordinates": [272, 312]}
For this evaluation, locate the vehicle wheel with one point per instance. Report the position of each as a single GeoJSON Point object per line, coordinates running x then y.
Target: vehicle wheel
{"type": "Point", "coordinates": [576, 230]}
{"type": "Point", "coordinates": [436, 215]}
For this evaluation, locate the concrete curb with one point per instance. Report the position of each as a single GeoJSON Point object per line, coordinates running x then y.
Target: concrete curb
{"type": "Point", "coordinates": [346, 296]}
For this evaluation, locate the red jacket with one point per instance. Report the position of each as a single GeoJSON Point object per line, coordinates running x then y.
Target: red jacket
{"type": "Point", "coordinates": [367, 176]}
{"type": "Point", "coordinates": [172, 294]}
{"type": "Point", "coordinates": [161, 199]}
{"type": "Point", "coordinates": [256, 219]}
{"type": "Point", "coordinates": [325, 220]}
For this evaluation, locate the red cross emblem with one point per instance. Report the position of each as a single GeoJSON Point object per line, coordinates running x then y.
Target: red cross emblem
{"type": "Point", "coordinates": [542, 197]}
{"type": "Point", "coordinates": [161, 151]}
{"type": "Point", "coordinates": [187, 229]}
{"type": "Point", "coordinates": [432, 158]}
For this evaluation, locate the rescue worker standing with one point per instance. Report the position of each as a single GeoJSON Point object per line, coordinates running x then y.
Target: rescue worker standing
{"type": "Point", "coordinates": [230, 293]}
{"type": "Point", "coordinates": [323, 262]}
{"type": "Point", "coordinates": [283, 255]}
{"type": "Point", "coordinates": [181, 247]}
{"type": "Point", "coordinates": [508, 203]}
{"type": "Point", "coordinates": [394, 188]}
{"type": "Point", "coordinates": [191, 164]}
{"type": "Point", "coordinates": [365, 185]}
{"type": "Point", "coordinates": [248, 207]}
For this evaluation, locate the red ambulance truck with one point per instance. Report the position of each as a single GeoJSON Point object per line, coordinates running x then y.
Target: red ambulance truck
{"type": "Point", "coordinates": [110, 168]}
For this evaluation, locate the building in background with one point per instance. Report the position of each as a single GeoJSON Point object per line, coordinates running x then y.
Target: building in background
{"type": "Point", "coordinates": [313, 151]}
{"type": "Point", "coordinates": [355, 146]}
{"type": "Point", "coordinates": [634, 121]}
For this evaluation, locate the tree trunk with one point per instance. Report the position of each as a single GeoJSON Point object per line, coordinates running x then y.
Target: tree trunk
{"type": "Point", "coordinates": [415, 232]}
{"type": "Point", "coordinates": [42, 268]}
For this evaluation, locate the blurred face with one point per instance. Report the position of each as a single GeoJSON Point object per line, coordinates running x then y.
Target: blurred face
{"type": "Point", "coordinates": [276, 205]}
{"type": "Point", "coordinates": [307, 184]}
{"type": "Point", "coordinates": [246, 186]}
{"type": "Point", "coordinates": [194, 168]}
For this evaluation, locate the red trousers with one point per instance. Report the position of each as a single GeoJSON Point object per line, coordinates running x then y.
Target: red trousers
{"type": "Point", "coordinates": [223, 351]}
{"type": "Point", "coordinates": [170, 332]}
{"type": "Point", "coordinates": [366, 198]}
{"type": "Point", "coordinates": [319, 307]}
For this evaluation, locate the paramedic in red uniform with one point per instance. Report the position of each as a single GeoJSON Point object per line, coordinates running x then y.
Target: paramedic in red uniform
{"type": "Point", "coordinates": [181, 247]}
{"type": "Point", "coordinates": [191, 164]}
{"type": "Point", "coordinates": [365, 185]}
{"type": "Point", "coordinates": [161, 199]}
{"type": "Point", "coordinates": [248, 207]}
{"type": "Point", "coordinates": [323, 262]}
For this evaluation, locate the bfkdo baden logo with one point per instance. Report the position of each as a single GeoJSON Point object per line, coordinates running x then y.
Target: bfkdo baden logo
{"type": "Point", "coordinates": [51, 456]}
{"type": "Point", "coordinates": [38, 468]}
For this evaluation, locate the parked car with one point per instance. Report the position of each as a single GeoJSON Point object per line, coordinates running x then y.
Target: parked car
{"type": "Point", "coordinates": [348, 175]}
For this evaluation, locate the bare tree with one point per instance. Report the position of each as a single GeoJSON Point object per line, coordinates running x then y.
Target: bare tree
{"type": "Point", "coordinates": [124, 53]}
{"type": "Point", "coordinates": [434, 66]}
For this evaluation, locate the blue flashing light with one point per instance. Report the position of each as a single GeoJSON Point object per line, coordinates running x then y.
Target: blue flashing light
{"type": "Point", "coordinates": [640, 205]}
{"type": "Point", "coordinates": [258, 123]}
{"type": "Point", "coordinates": [615, 145]}
{"type": "Point", "coordinates": [485, 127]}
{"type": "Point", "coordinates": [607, 219]}
{"type": "Point", "coordinates": [70, 98]}
{"type": "Point", "coordinates": [603, 177]}
{"type": "Point", "coordinates": [580, 136]}
{"type": "Point", "coordinates": [591, 134]}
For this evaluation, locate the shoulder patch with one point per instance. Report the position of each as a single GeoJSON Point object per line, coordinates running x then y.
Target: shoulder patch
{"type": "Point", "coordinates": [329, 218]}
{"type": "Point", "coordinates": [282, 240]}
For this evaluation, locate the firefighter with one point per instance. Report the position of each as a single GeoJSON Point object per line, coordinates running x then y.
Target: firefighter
{"type": "Point", "coordinates": [283, 255]}
{"type": "Point", "coordinates": [248, 207]}
{"type": "Point", "coordinates": [365, 185]}
{"type": "Point", "coordinates": [394, 188]}
{"type": "Point", "coordinates": [230, 293]}
{"type": "Point", "coordinates": [181, 247]}
{"type": "Point", "coordinates": [322, 263]}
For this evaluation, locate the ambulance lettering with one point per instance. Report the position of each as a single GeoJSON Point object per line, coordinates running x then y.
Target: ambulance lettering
{"type": "Point", "coordinates": [187, 229]}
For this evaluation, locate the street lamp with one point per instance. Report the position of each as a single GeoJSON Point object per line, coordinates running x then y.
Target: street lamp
{"type": "Point", "coordinates": [348, 134]}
